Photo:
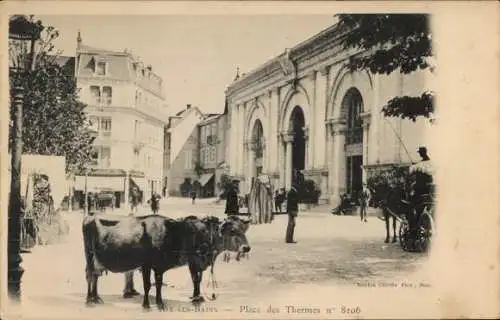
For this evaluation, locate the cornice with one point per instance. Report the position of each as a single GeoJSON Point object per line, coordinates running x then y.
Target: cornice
{"type": "Point", "coordinates": [130, 110]}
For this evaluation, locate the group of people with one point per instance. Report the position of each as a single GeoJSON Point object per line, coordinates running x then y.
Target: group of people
{"type": "Point", "coordinates": [292, 205]}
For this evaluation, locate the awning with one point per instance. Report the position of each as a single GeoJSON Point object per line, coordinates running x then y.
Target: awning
{"type": "Point", "coordinates": [96, 184]}
{"type": "Point", "coordinates": [205, 178]}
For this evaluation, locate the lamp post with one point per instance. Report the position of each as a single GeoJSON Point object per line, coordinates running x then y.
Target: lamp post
{"type": "Point", "coordinates": [21, 29]}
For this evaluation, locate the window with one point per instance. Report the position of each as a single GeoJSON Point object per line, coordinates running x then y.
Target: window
{"type": "Point", "coordinates": [212, 154]}
{"type": "Point", "coordinates": [95, 93]}
{"type": "Point", "coordinates": [202, 156]}
{"type": "Point", "coordinates": [105, 126]}
{"type": "Point", "coordinates": [100, 69]}
{"type": "Point", "coordinates": [107, 95]}
{"type": "Point", "coordinates": [94, 123]}
{"type": "Point", "coordinates": [94, 155]}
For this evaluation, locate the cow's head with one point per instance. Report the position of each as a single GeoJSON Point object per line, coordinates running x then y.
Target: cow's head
{"type": "Point", "coordinates": [233, 231]}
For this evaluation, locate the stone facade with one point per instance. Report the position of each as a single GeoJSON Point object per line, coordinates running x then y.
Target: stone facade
{"type": "Point", "coordinates": [212, 152]}
{"type": "Point", "coordinates": [181, 147]}
{"type": "Point", "coordinates": [125, 103]}
{"type": "Point", "coordinates": [306, 100]}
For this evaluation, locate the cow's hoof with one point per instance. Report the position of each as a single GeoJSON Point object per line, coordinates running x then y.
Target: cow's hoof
{"type": "Point", "coordinates": [386, 240]}
{"type": "Point", "coordinates": [98, 300]}
{"type": "Point", "coordinates": [130, 294]}
{"type": "Point", "coordinates": [146, 307]}
{"type": "Point", "coordinates": [197, 299]}
{"type": "Point", "coordinates": [160, 305]}
{"type": "Point", "coordinates": [394, 240]}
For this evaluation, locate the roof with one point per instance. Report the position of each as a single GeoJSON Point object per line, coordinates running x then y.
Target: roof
{"type": "Point", "coordinates": [211, 117]}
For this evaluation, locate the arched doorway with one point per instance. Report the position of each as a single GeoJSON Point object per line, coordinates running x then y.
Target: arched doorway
{"type": "Point", "coordinates": [299, 143]}
{"type": "Point", "coordinates": [352, 105]}
{"type": "Point", "coordinates": [257, 148]}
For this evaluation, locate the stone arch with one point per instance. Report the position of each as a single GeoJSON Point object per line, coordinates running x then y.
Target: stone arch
{"type": "Point", "coordinates": [293, 98]}
{"type": "Point", "coordinates": [343, 82]}
{"type": "Point", "coordinates": [256, 112]}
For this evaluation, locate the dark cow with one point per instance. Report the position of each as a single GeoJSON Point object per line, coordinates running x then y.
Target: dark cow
{"type": "Point", "coordinates": [158, 243]}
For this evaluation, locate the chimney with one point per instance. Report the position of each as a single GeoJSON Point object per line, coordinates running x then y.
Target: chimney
{"type": "Point", "coordinates": [78, 40]}
{"type": "Point", "coordinates": [188, 106]}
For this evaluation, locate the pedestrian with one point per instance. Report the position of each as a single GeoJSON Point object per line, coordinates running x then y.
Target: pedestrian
{"type": "Point", "coordinates": [193, 194]}
{"type": "Point", "coordinates": [154, 201]}
{"type": "Point", "coordinates": [232, 205]}
{"type": "Point", "coordinates": [292, 209]}
{"type": "Point", "coordinates": [364, 200]}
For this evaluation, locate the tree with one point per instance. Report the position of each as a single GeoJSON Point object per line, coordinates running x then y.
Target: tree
{"type": "Point", "coordinates": [386, 43]}
{"type": "Point", "coordinates": [54, 121]}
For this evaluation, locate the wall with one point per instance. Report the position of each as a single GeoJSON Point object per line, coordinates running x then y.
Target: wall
{"type": "Point", "coordinates": [178, 170]}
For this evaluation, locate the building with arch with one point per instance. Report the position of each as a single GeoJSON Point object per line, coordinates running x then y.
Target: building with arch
{"type": "Point", "coordinates": [305, 111]}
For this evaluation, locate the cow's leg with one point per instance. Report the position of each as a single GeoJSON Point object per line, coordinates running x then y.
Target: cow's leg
{"type": "Point", "coordinates": [159, 284]}
{"type": "Point", "coordinates": [88, 276]}
{"type": "Point", "coordinates": [387, 229]}
{"type": "Point", "coordinates": [129, 290]}
{"type": "Point", "coordinates": [146, 280]}
{"type": "Point", "coordinates": [394, 238]}
{"type": "Point", "coordinates": [95, 294]}
{"type": "Point", "coordinates": [196, 278]}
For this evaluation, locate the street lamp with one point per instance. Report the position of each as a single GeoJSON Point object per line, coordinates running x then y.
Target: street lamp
{"type": "Point", "coordinates": [20, 29]}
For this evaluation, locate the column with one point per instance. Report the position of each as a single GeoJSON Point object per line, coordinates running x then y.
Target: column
{"type": "Point", "coordinates": [338, 128]}
{"type": "Point", "coordinates": [233, 139]}
{"type": "Point", "coordinates": [241, 125]}
{"type": "Point", "coordinates": [126, 191]}
{"type": "Point", "coordinates": [326, 181]}
{"type": "Point", "coordinates": [321, 105]}
{"type": "Point", "coordinates": [282, 158]}
{"type": "Point", "coordinates": [288, 166]}
{"type": "Point", "coordinates": [376, 112]}
{"type": "Point", "coordinates": [248, 168]}
{"type": "Point", "coordinates": [309, 155]}
{"type": "Point", "coordinates": [366, 142]}
{"type": "Point", "coordinates": [273, 147]}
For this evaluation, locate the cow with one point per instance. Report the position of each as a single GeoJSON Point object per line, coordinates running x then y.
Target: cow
{"type": "Point", "coordinates": [157, 243]}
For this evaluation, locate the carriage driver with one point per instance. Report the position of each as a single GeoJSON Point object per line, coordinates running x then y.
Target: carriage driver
{"type": "Point", "coordinates": [422, 189]}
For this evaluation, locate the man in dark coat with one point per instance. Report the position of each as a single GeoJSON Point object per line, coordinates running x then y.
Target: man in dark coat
{"type": "Point", "coordinates": [232, 206]}
{"type": "Point", "coordinates": [292, 208]}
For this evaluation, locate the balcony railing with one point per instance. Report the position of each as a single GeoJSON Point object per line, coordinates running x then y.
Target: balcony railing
{"type": "Point", "coordinates": [354, 135]}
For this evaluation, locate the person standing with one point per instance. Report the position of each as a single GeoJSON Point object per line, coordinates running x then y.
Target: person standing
{"type": "Point", "coordinates": [232, 206]}
{"type": "Point", "coordinates": [292, 209]}
{"type": "Point", "coordinates": [193, 193]}
{"type": "Point", "coordinates": [154, 203]}
{"type": "Point", "coordinates": [364, 199]}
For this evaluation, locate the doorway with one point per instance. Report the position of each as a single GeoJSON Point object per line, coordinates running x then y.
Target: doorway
{"type": "Point", "coordinates": [354, 179]}
{"type": "Point", "coordinates": [299, 142]}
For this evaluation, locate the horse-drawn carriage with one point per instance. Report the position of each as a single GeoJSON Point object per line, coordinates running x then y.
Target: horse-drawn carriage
{"type": "Point", "coordinates": [413, 206]}
{"type": "Point", "coordinates": [416, 235]}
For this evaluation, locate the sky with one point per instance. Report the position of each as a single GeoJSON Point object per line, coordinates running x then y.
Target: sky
{"type": "Point", "coordinates": [196, 56]}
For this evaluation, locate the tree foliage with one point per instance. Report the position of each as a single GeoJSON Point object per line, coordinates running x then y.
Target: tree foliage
{"type": "Point", "coordinates": [386, 43]}
{"type": "Point", "coordinates": [54, 121]}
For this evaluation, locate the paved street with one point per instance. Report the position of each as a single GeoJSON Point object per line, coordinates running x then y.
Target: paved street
{"type": "Point", "coordinates": [336, 262]}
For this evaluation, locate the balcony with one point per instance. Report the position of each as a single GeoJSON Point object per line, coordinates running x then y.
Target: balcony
{"type": "Point", "coordinates": [354, 135]}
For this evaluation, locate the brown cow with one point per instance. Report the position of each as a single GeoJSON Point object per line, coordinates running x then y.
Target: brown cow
{"type": "Point", "coordinates": [158, 243]}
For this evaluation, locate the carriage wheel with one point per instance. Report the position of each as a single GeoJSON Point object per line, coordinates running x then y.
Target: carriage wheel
{"type": "Point", "coordinates": [425, 231]}
{"type": "Point", "coordinates": [404, 231]}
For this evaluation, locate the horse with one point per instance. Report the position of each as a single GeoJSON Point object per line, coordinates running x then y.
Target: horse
{"type": "Point", "coordinates": [157, 243]}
